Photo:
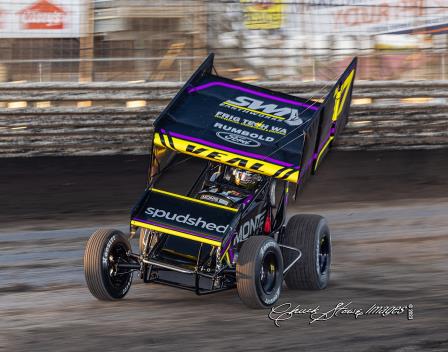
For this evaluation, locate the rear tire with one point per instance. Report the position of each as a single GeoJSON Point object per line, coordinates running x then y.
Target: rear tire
{"type": "Point", "coordinates": [310, 234]}
{"type": "Point", "coordinates": [259, 272]}
{"type": "Point", "coordinates": [104, 249]}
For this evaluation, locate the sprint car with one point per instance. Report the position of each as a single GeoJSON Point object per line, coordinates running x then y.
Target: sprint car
{"type": "Point", "coordinates": [213, 215]}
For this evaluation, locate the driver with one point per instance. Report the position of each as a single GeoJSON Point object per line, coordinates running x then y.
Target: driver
{"type": "Point", "coordinates": [242, 179]}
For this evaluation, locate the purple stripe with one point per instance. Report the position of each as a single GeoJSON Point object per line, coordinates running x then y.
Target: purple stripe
{"type": "Point", "coordinates": [252, 155]}
{"type": "Point", "coordinates": [315, 155]}
{"type": "Point", "coordinates": [231, 255]}
{"type": "Point", "coordinates": [254, 92]}
{"type": "Point", "coordinates": [332, 131]}
{"type": "Point", "coordinates": [248, 199]}
{"type": "Point", "coordinates": [177, 229]}
{"type": "Point", "coordinates": [327, 137]}
{"type": "Point", "coordinates": [228, 243]}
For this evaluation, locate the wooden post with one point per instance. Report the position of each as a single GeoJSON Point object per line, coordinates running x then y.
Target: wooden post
{"type": "Point", "coordinates": [200, 34]}
{"type": "Point", "coordinates": [86, 45]}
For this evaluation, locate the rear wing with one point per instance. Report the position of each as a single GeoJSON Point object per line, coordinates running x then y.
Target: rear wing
{"type": "Point", "coordinates": [328, 123]}
{"type": "Point", "coordinates": [252, 128]}
{"type": "Point", "coordinates": [204, 69]}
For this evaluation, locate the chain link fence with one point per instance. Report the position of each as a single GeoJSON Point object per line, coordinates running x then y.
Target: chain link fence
{"type": "Point", "coordinates": [133, 40]}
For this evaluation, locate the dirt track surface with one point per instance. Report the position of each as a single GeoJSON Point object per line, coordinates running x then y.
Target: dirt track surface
{"type": "Point", "coordinates": [388, 216]}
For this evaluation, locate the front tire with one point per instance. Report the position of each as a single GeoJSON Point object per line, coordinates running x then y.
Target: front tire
{"type": "Point", "coordinates": [310, 234]}
{"type": "Point", "coordinates": [259, 272]}
{"type": "Point", "coordinates": [104, 250]}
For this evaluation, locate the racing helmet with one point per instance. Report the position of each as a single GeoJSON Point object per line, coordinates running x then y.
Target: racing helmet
{"type": "Point", "coordinates": [245, 179]}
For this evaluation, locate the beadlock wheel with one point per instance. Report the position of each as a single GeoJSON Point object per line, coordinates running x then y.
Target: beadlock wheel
{"type": "Point", "coordinates": [105, 250]}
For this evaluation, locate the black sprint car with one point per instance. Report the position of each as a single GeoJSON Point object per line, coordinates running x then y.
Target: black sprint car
{"type": "Point", "coordinates": [213, 215]}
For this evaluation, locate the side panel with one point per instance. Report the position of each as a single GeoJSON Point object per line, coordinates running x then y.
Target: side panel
{"type": "Point", "coordinates": [252, 221]}
{"type": "Point", "coordinates": [334, 113]}
{"type": "Point", "coordinates": [306, 165]}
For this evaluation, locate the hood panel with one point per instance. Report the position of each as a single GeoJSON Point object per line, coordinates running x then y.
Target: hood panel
{"type": "Point", "coordinates": [185, 217]}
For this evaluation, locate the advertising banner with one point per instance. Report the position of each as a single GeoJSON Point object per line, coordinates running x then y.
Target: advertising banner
{"type": "Point", "coordinates": [353, 17]}
{"type": "Point", "coordinates": [263, 14]}
{"type": "Point", "coordinates": [42, 18]}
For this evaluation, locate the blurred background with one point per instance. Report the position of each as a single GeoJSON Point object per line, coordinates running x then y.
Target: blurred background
{"type": "Point", "coordinates": [81, 83]}
{"type": "Point", "coordinates": [164, 40]}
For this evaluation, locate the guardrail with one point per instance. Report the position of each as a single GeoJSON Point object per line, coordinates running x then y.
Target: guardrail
{"type": "Point", "coordinates": [116, 118]}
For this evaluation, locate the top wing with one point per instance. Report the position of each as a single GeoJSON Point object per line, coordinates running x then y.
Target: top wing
{"type": "Point", "coordinates": [249, 127]}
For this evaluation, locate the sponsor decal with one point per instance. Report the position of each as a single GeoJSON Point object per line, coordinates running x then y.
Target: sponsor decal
{"type": "Point", "coordinates": [185, 219]}
{"type": "Point", "coordinates": [42, 15]}
{"type": "Point", "coordinates": [265, 167]}
{"type": "Point", "coordinates": [239, 140]}
{"type": "Point", "coordinates": [263, 14]}
{"type": "Point", "coordinates": [213, 199]}
{"type": "Point", "coordinates": [340, 95]}
{"type": "Point", "coordinates": [269, 111]}
{"type": "Point", "coordinates": [261, 126]}
{"type": "Point", "coordinates": [250, 227]}
{"type": "Point", "coordinates": [106, 251]}
{"type": "Point", "coordinates": [238, 132]}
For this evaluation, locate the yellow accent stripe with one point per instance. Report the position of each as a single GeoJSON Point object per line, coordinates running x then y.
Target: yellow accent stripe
{"type": "Point", "coordinates": [256, 111]}
{"type": "Point", "coordinates": [249, 126]}
{"type": "Point", "coordinates": [199, 150]}
{"type": "Point", "coordinates": [228, 259]}
{"type": "Point", "coordinates": [323, 149]}
{"type": "Point", "coordinates": [175, 233]}
{"type": "Point", "coordinates": [226, 251]}
{"type": "Point", "coordinates": [226, 255]}
{"type": "Point", "coordinates": [194, 200]}
{"type": "Point", "coordinates": [342, 89]}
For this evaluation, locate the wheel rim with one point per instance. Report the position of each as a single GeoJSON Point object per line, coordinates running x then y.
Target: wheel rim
{"type": "Point", "coordinates": [324, 254]}
{"type": "Point", "coordinates": [118, 278]}
{"type": "Point", "coordinates": [268, 273]}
